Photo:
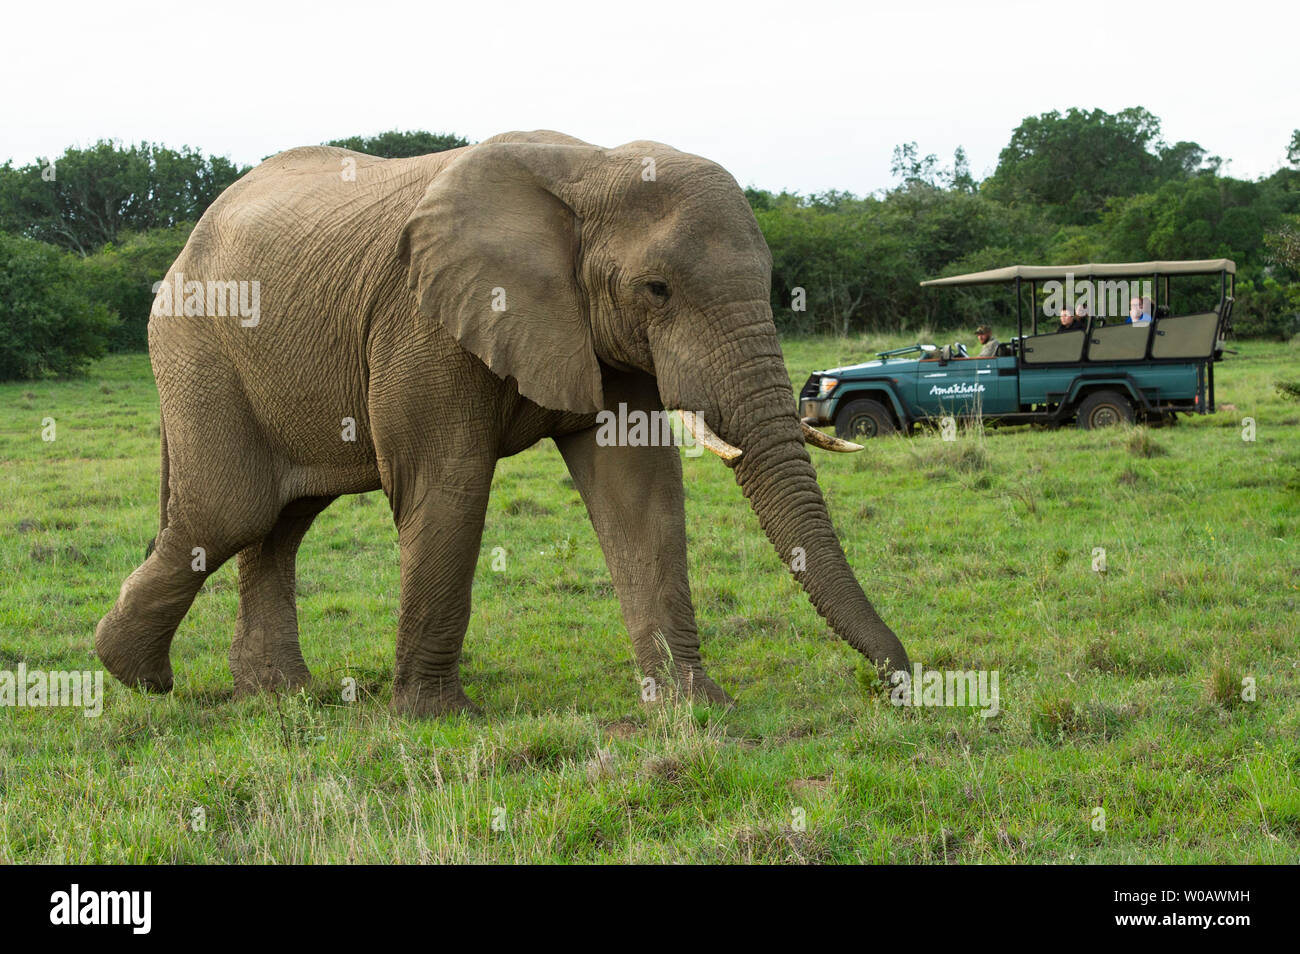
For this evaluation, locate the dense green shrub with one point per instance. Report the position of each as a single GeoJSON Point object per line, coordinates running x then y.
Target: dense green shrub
{"type": "Point", "coordinates": [121, 276]}
{"type": "Point", "coordinates": [48, 323]}
{"type": "Point", "coordinates": [1266, 309]}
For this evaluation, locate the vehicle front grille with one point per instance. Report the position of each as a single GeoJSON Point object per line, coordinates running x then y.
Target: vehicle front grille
{"type": "Point", "coordinates": [810, 388]}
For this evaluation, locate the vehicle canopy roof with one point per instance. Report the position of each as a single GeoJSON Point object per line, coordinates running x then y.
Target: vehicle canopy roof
{"type": "Point", "coordinates": [1209, 266]}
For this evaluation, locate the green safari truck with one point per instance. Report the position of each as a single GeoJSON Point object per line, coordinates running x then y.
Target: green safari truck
{"type": "Point", "coordinates": [1130, 351]}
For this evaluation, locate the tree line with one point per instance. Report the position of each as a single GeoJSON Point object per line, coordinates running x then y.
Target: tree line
{"type": "Point", "coordinates": [84, 237]}
{"type": "Point", "coordinates": [1073, 187]}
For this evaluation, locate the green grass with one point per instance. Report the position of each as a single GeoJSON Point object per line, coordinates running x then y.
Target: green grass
{"type": "Point", "coordinates": [1119, 691]}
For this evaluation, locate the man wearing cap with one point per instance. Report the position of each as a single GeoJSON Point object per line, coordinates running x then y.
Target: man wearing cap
{"type": "Point", "coordinates": [990, 344]}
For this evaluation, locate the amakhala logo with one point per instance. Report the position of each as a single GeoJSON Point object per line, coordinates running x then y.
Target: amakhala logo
{"type": "Point", "coordinates": [956, 390]}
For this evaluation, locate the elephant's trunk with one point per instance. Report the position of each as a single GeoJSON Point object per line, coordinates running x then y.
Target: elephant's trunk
{"type": "Point", "coordinates": [757, 413]}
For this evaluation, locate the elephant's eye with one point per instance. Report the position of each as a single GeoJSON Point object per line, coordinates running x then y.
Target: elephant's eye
{"type": "Point", "coordinates": [658, 291]}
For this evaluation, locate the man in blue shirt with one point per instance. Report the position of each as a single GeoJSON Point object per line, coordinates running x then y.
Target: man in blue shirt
{"type": "Point", "coordinates": [1139, 311]}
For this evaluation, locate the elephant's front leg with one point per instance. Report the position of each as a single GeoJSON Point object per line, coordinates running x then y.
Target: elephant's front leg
{"type": "Point", "coordinates": [439, 517]}
{"type": "Point", "coordinates": [635, 498]}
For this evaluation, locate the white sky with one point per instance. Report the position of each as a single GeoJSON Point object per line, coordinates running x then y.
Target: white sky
{"type": "Point", "coordinates": [809, 95]}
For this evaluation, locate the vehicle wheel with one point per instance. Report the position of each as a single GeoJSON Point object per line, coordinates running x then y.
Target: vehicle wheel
{"type": "Point", "coordinates": [1104, 409]}
{"type": "Point", "coordinates": [862, 419]}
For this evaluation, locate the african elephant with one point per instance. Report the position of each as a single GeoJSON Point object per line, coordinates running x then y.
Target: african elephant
{"type": "Point", "coordinates": [457, 308]}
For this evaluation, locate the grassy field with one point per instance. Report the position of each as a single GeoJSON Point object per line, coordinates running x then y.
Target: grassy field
{"type": "Point", "coordinates": [1119, 691]}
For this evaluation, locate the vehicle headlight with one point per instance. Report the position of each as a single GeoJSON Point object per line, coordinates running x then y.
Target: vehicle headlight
{"type": "Point", "coordinates": [826, 387]}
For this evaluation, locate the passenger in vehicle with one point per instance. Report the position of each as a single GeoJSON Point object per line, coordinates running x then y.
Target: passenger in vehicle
{"type": "Point", "coordinates": [1071, 322]}
{"type": "Point", "coordinates": [1139, 311]}
{"type": "Point", "coordinates": [989, 344]}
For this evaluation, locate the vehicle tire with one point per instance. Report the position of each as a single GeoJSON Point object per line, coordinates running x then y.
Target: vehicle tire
{"type": "Point", "coordinates": [862, 419]}
{"type": "Point", "coordinates": [1104, 409]}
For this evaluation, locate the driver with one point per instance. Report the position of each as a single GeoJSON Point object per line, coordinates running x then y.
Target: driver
{"type": "Point", "coordinates": [989, 344]}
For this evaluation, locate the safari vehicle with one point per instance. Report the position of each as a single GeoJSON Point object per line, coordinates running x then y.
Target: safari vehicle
{"type": "Point", "coordinates": [1112, 369]}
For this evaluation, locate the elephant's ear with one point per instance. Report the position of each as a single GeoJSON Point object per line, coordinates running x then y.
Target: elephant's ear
{"type": "Point", "coordinates": [492, 252]}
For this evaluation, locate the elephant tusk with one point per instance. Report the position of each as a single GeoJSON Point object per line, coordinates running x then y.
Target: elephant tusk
{"type": "Point", "coordinates": [705, 437]}
{"type": "Point", "coordinates": [817, 439]}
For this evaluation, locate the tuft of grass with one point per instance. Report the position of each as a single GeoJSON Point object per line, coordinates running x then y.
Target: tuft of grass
{"type": "Point", "coordinates": [1223, 684]}
{"type": "Point", "coordinates": [1056, 718]}
{"type": "Point", "coordinates": [526, 506]}
{"type": "Point", "coordinates": [944, 458]}
{"type": "Point", "coordinates": [1140, 443]}
{"type": "Point", "coordinates": [1102, 656]}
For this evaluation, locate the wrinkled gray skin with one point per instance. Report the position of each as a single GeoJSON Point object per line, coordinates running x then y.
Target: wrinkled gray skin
{"type": "Point", "coordinates": [376, 305]}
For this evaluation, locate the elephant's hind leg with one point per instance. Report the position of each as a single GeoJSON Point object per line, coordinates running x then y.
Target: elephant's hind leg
{"type": "Point", "coordinates": [134, 638]}
{"type": "Point", "coordinates": [214, 510]}
{"type": "Point", "coordinates": [265, 653]}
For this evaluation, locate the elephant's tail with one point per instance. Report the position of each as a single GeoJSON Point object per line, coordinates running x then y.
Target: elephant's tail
{"type": "Point", "coordinates": [164, 490]}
